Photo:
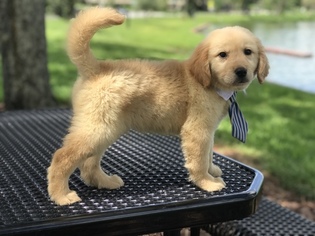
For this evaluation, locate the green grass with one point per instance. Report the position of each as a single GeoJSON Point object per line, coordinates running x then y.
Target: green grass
{"type": "Point", "coordinates": [281, 122]}
{"type": "Point", "coordinates": [62, 72]}
{"type": "Point", "coordinates": [281, 136]}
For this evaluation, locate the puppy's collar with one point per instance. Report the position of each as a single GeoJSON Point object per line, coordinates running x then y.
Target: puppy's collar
{"type": "Point", "coordinates": [225, 94]}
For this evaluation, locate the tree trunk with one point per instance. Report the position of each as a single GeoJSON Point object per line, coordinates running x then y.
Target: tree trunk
{"type": "Point", "coordinates": [63, 8]}
{"type": "Point", "coordinates": [24, 56]}
{"type": "Point", "coordinates": [191, 7]}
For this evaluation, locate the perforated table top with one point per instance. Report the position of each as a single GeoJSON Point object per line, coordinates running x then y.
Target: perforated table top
{"type": "Point", "coordinates": [156, 196]}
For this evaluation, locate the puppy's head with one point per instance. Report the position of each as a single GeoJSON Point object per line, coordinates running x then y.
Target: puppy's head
{"type": "Point", "coordinates": [229, 59]}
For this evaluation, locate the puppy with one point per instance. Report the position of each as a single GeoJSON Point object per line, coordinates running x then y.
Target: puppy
{"type": "Point", "coordinates": [167, 97]}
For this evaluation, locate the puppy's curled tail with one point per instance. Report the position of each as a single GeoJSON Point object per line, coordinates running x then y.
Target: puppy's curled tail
{"type": "Point", "coordinates": [81, 31]}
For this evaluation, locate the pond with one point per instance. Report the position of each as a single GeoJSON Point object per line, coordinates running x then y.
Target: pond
{"type": "Point", "coordinates": [294, 72]}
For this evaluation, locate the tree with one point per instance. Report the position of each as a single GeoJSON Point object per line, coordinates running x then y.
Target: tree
{"type": "Point", "coordinates": [245, 5]}
{"type": "Point", "coordinates": [63, 8]}
{"type": "Point", "coordinates": [191, 7]}
{"type": "Point", "coordinates": [279, 6]}
{"type": "Point", "coordinates": [24, 56]}
{"type": "Point", "coordinates": [153, 5]}
{"type": "Point", "coordinates": [308, 4]}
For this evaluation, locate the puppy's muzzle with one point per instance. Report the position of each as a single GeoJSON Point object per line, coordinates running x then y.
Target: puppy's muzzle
{"type": "Point", "coordinates": [241, 73]}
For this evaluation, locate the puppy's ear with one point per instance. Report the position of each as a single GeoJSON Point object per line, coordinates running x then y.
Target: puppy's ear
{"type": "Point", "coordinates": [199, 66]}
{"type": "Point", "coordinates": [263, 64]}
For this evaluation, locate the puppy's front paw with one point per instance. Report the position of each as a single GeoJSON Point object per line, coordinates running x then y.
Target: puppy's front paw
{"type": "Point", "coordinates": [115, 182]}
{"type": "Point", "coordinates": [65, 199]}
{"type": "Point", "coordinates": [215, 170]}
{"type": "Point", "coordinates": [210, 183]}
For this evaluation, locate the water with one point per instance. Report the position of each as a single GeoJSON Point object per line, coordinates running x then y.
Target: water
{"type": "Point", "coordinates": [294, 72]}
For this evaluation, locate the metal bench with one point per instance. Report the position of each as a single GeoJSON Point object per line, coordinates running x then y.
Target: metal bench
{"type": "Point", "coordinates": [156, 197]}
{"type": "Point", "coordinates": [270, 219]}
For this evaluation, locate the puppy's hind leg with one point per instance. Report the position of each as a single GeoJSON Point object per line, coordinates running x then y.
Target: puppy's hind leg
{"type": "Point", "coordinates": [90, 168]}
{"type": "Point", "coordinates": [65, 161]}
{"type": "Point", "coordinates": [84, 142]}
{"type": "Point", "coordinates": [93, 175]}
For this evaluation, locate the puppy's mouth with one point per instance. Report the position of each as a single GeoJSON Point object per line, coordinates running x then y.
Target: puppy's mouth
{"type": "Point", "coordinates": [240, 81]}
{"type": "Point", "coordinates": [233, 83]}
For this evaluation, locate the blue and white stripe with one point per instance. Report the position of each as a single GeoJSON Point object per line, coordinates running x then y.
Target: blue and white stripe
{"type": "Point", "coordinates": [239, 124]}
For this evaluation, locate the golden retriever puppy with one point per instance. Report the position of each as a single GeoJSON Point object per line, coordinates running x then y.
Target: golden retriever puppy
{"type": "Point", "coordinates": [167, 97]}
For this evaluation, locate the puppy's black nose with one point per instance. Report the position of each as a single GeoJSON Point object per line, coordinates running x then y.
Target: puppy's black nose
{"type": "Point", "coordinates": [240, 72]}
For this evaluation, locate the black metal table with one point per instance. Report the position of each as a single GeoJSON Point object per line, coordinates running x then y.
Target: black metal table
{"type": "Point", "coordinates": [156, 196]}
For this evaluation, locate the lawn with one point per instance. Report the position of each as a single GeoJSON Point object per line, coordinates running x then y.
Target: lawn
{"type": "Point", "coordinates": [281, 137]}
{"type": "Point", "coordinates": [281, 134]}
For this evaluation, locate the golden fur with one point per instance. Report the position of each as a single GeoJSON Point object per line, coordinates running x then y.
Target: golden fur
{"type": "Point", "coordinates": [167, 97]}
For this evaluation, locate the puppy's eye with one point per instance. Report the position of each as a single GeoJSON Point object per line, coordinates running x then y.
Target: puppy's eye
{"type": "Point", "coordinates": [247, 51]}
{"type": "Point", "coordinates": [223, 54]}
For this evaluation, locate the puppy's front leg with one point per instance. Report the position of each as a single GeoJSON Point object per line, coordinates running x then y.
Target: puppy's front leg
{"type": "Point", "coordinates": [214, 170]}
{"type": "Point", "coordinates": [196, 145]}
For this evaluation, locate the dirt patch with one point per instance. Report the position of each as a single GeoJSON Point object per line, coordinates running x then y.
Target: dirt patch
{"type": "Point", "coordinates": [272, 189]}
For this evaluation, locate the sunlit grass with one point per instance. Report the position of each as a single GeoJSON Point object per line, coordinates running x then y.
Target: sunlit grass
{"type": "Point", "coordinates": [282, 133]}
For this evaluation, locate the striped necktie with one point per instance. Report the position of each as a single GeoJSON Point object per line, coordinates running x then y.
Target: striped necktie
{"type": "Point", "coordinates": [239, 124]}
